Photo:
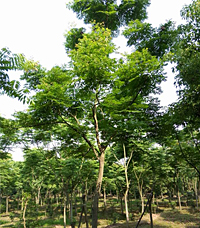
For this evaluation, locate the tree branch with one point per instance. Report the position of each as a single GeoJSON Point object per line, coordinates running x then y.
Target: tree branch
{"type": "Point", "coordinates": [81, 134]}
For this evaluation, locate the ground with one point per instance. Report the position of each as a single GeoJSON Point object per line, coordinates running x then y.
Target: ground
{"type": "Point", "coordinates": [166, 217]}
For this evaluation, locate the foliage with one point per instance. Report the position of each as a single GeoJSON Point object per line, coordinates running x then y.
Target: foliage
{"type": "Point", "coordinates": [159, 40]}
{"type": "Point", "coordinates": [109, 13]}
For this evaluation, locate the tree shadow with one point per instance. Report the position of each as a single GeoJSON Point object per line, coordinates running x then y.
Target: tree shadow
{"type": "Point", "coordinates": [181, 217]}
{"type": "Point", "coordinates": [143, 224]}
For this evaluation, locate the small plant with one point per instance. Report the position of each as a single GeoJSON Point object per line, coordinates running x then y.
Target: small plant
{"type": "Point", "coordinates": [154, 207]}
{"type": "Point", "coordinates": [173, 205]}
{"type": "Point", "coordinates": [18, 225]}
{"type": "Point", "coordinates": [115, 217]}
{"type": "Point", "coordinates": [12, 216]}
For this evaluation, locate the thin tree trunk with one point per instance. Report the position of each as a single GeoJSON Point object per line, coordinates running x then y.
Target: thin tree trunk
{"type": "Point", "coordinates": [126, 205]}
{"type": "Point", "coordinates": [196, 192]}
{"type": "Point", "coordinates": [71, 212]}
{"type": "Point", "coordinates": [64, 211]}
{"type": "Point", "coordinates": [150, 210]}
{"type": "Point", "coordinates": [104, 197]}
{"type": "Point", "coordinates": [127, 182]}
{"type": "Point", "coordinates": [24, 212]}
{"type": "Point", "coordinates": [142, 203]}
{"type": "Point", "coordinates": [84, 209]}
{"type": "Point", "coordinates": [57, 198]}
{"type": "Point", "coordinates": [7, 204]}
{"type": "Point", "coordinates": [37, 200]}
{"type": "Point", "coordinates": [199, 190]}
{"type": "Point", "coordinates": [179, 200]}
{"type": "Point", "coordinates": [22, 203]}
{"type": "Point", "coordinates": [75, 203]}
{"type": "Point", "coordinates": [140, 189]}
{"type": "Point", "coordinates": [138, 223]}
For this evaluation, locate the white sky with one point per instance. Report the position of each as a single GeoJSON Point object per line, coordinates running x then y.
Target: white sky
{"type": "Point", "coordinates": [36, 28]}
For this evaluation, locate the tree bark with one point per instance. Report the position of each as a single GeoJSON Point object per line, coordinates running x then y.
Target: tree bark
{"type": "Point", "coordinates": [199, 190]}
{"type": "Point", "coordinates": [196, 192]}
{"type": "Point", "coordinates": [64, 212]}
{"type": "Point", "coordinates": [37, 198]}
{"type": "Point", "coordinates": [179, 200]}
{"type": "Point", "coordinates": [126, 205]}
{"type": "Point", "coordinates": [84, 209]}
{"type": "Point", "coordinates": [97, 191]}
{"type": "Point", "coordinates": [127, 182]}
{"type": "Point", "coordinates": [150, 210]}
{"type": "Point", "coordinates": [24, 212]}
{"type": "Point", "coordinates": [7, 204]}
{"type": "Point", "coordinates": [104, 197]}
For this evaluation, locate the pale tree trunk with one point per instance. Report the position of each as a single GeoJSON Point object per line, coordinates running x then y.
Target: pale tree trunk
{"type": "Point", "coordinates": [7, 204]}
{"type": "Point", "coordinates": [64, 211]}
{"type": "Point", "coordinates": [127, 182]}
{"type": "Point", "coordinates": [24, 212]}
{"type": "Point", "coordinates": [178, 190]}
{"type": "Point", "coordinates": [199, 190]}
{"type": "Point", "coordinates": [126, 205]}
{"type": "Point", "coordinates": [57, 199]}
{"type": "Point", "coordinates": [162, 195]}
{"type": "Point", "coordinates": [142, 198]}
{"type": "Point", "coordinates": [37, 198]}
{"type": "Point", "coordinates": [140, 185]}
{"type": "Point", "coordinates": [126, 164]}
{"type": "Point", "coordinates": [22, 204]}
{"type": "Point", "coordinates": [179, 199]}
{"type": "Point", "coordinates": [196, 192]}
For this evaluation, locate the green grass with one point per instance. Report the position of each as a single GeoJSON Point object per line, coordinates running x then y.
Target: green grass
{"type": "Point", "coordinates": [111, 216]}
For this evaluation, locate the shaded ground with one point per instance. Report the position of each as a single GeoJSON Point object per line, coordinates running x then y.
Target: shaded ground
{"type": "Point", "coordinates": [167, 219]}
{"type": "Point", "coordinates": [112, 218]}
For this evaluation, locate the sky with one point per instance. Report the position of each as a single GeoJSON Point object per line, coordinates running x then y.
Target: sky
{"type": "Point", "coordinates": [36, 28]}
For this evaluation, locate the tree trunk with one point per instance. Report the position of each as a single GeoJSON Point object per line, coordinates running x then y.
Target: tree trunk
{"type": "Point", "coordinates": [199, 190]}
{"type": "Point", "coordinates": [57, 199]}
{"type": "Point", "coordinates": [37, 198]}
{"type": "Point", "coordinates": [150, 210]}
{"type": "Point", "coordinates": [7, 204]}
{"type": "Point", "coordinates": [141, 196]}
{"type": "Point", "coordinates": [84, 209]}
{"type": "Point", "coordinates": [71, 212]}
{"type": "Point", "coordinates": [126, 194]}
{"type": "Point", "coordinates": [97, 191]}
{"type": "Point", "coordinates": [64, 211]}
{"type": "Point", "coordinates": [196, 192]}
{"type": "Point", "coordinates": [22, 203]}
{"type": "Point", "coordinates": [121, 203]}
{"type": "Point", "coordinates": [179, 200]}
{"type": "Point", "coordinates": [126, 205]}
{"type": "Point", "coordinates": [75, 203]}
{"type": "Point", "coordinates": [24, 212]}
{"type": "Point", "coordinates": [142, 202]}
{"type": "Point", "coordinates": [104, 197]}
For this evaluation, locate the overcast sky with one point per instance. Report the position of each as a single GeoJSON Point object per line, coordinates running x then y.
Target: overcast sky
{"type": "Point", "coordinates": [36, 28]}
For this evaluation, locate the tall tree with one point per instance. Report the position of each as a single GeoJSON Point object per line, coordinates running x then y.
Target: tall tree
{"type": "Point", "coordinates": [96, 96]}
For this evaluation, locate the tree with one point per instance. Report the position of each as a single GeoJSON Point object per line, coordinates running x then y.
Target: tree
{"type": "Point", "coordinates": [89, 98]}
{"type": "Point", "coordinates": [8, 61]}
{"type": "Point", "coordinates": [109, 12]}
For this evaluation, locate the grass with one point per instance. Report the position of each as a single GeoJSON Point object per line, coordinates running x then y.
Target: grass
{"type": "Point", "coordinates": [111, 217]}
